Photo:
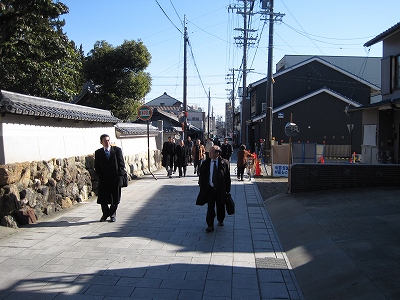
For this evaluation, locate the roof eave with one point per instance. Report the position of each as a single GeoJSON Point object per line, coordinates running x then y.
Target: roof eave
{"type": "Point", "coordinates": [384, 35]}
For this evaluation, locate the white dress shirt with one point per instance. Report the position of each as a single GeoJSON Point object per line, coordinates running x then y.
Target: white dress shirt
{"type": "Point", "coordinates": [212, 170]}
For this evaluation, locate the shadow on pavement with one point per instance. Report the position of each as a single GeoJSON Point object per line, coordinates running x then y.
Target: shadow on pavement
{"type": "Point", "coordinates": [342, 244]}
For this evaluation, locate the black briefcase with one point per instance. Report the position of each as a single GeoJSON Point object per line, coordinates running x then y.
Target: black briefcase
{"type": "Point", "coordinates": [229, 204]}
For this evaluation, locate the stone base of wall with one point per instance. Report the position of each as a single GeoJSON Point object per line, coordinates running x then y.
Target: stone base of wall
{"type": "Point", "coordinates": [49, 186]}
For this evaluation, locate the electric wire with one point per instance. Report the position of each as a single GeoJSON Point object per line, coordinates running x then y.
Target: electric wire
{"type": "Point", "coordinates": [168, 17]}
{"type": "Point", "coordinates": [320, 41]}
{"type": "Point", "coordinates": [195, 65]}
{"type": "Point", "coordinates": [173, 6]}
{"type": "Point", "coordinates": [302, 27]}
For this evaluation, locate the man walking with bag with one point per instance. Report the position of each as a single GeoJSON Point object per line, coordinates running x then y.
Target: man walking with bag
{"type": "Point", "coordinates": [215, 184]}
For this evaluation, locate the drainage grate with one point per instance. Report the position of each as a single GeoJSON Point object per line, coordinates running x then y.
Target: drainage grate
{"type": "Point", "coordinates": [271, 263]}
{"type": "Point", "coordinates": [69, 219]}
{"type": "Point", "coordinates": [255, 205]}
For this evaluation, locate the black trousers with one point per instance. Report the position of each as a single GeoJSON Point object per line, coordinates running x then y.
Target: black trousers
{"type": "Point", "coordinates": [197, 164]}
{"type": "Point", "coordinates": [212, 202]}
{"type": "Point", "coordinates": [180, 168]}
{"type": "Point", "coordinates": [109, 211]}
{"type": "Point", "coordinates": [240, 172]}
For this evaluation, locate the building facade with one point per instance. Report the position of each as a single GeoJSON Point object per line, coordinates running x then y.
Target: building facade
{"type": "Point", "coordinates": [381, 120]}
{"type": "Point", "coordinates": [315, 94]}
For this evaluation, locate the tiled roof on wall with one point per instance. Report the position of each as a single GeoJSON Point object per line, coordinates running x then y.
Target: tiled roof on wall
{"type": "Point", "coordinates": [135, 129]}
{"type": "Point", "coordinates": [20, 104]}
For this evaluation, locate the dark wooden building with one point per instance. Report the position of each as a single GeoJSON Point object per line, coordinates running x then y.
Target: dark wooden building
{"type": "Point", "coordinates": [317, 94]}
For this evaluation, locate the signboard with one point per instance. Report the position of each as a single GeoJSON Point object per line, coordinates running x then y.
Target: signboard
{"type": "Point", "coordinates": [280, 170]}
{"type": "Point", "coordinates": [145, 113]}
{"type": "Point", "coordinates": [281, 115]}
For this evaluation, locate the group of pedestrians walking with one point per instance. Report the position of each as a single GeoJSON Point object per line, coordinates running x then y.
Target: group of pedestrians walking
{"type": "Point", "coordinates": [212, 169]}
{"type": "Point", "coordinates": [177, 156]}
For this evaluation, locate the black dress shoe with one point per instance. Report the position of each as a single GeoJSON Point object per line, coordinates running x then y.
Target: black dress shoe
{"type": "Point", "coordinates": [103, 219]}
{"type": "Point", "coordinates": [112, 219]}
{"type": "Point", "coordinates": [210, 228]}
{"type": "Point", "coordinates": [220, 223]}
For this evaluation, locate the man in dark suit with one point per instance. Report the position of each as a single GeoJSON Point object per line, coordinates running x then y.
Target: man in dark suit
{"type": "Point", "coordinates": [215, 183]}
{"type": "Point", "coordinates": [226, 150]}
{"type": "Point", "coordinates": [110, 167]}
{"type": "Point", "coordinates": [168, 153]}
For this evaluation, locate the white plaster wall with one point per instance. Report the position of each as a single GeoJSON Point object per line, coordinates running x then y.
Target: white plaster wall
{"type": "Point", "coordinates": [25, 138]}
{"type": "Point", "coordinates": [136, 145]}
{"type": "Point", "coordinates": [24, 142]}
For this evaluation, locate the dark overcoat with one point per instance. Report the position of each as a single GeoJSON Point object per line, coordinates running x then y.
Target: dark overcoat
{"type": "Point", "coordinates": [181, 153]}
{"type": "Point", "coordinates": [226, 151]}
{"type": "Point", "coordinates": [168, 152]}
{"type": "Point", "coordinates": [110, 172]}
{"type": "Point", "coordinates": [224, 181]}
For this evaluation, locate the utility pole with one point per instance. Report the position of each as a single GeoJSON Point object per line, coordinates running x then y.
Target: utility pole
{"type": "Point", "coordinates": [212, 120]}
{"type": "Point", "coordinates": [208, 114]}
{"type": "Point", "coordinates": [185, 114]}
{"type": "Point", "coordinates": [232, 78]}
{"type": "Point", "coordinates": [245, 39]}
{"type": "Point", "coordinates": [267, 7]}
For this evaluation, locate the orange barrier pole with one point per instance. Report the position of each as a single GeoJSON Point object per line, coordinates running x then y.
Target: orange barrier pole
{"type": "Point", "coordinates": [258, 169]}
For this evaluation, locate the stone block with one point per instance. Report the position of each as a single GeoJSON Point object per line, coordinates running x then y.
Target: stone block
{"type": "Point", "coordinates": [49, 209]}
{"type": "Point", "coordinates": [66, 203]}
{"type": "Point", "coordinates": [10, 173]}
{"type": "Point", "coordinates": [9, 221]}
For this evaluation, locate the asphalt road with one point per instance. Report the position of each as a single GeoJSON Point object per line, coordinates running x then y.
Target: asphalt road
{"type": "Point", "coordinates": [342, 244]}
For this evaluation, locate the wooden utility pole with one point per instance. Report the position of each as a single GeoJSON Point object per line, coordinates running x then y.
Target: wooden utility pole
{"type": "Point", "coordinates": [245, 39]}
{"type": "Point", "coordinates": [231, 77]}
{"type": "Point", "coordinates": [233, 105]}
{"type": "Point", "coordinates": [208, 114]}
{"type": "Point", "coordinates": [185, 37]}
{"type": "Point", "coordinates": [268, 7]}
{"type": "Point", "coordinates": [244, 96]}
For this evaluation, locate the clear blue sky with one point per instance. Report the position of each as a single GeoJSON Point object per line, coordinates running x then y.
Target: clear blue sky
{"type": "Point", "coordinates": [309, 27]}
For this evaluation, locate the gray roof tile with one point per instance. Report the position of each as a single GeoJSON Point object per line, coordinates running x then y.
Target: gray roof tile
{"type": "Point", "coordinates": [135, 129]}
{"type": "Point", "coordinates": [20, 104]}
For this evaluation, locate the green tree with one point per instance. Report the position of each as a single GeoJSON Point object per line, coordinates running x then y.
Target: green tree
{"type": "Point", "coordinates": [36, 57]}
{"type": "Point", "coordinates": [118, 73]}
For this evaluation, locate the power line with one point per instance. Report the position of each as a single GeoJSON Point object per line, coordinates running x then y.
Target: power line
{"type": "Point", "coordinates": [209, 32]}
{"type": "Point", "coordinates": [168, 17]}
{"type": "Point", "coordinates": [302, 27]}
{"type": "Point", "coordinates": [198, 73]}
{"type": "Point", "coordinates": [312, 39]}
{"type": "Point", "coordinates": [176, 12]}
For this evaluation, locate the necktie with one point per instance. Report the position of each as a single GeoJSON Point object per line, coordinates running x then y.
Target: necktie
{"type": "Point", "coordinates": [214, 175]}
{"type": "Point", "coordinates": [107, 153]}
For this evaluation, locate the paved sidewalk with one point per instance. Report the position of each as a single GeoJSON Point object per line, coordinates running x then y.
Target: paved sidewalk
{"type": "Point", "coordinates": [157, 249]}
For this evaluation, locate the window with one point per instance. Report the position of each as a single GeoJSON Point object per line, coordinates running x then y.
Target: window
{"type": "Point", "coordinates": [253, 103]}
{"type": "Point", "coordinates": [390, 74]}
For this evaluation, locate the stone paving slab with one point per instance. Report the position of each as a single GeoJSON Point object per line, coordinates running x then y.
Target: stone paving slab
{"type": "Point", "coordinates": [157, 249]}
